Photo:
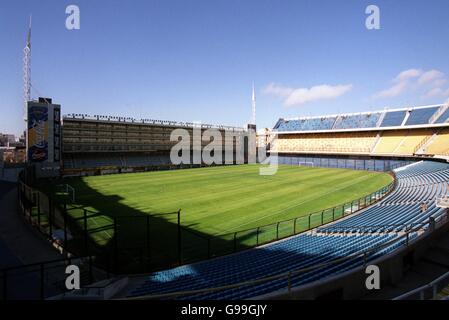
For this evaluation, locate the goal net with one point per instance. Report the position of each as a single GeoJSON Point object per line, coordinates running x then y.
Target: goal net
{"type": "Point", "coordinates": [306, 164]}
{"type": "Point", "coordinates": [66, 190]}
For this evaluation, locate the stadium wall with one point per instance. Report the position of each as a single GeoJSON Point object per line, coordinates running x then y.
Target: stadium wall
{"type": "Point", "coordinates": [345, 162]}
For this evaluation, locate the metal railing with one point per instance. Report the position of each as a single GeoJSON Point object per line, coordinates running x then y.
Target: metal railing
{"type": "Point", "coordinates": [45, 279]}
{"type": "Point", "coordinates": [422, 143]}
{"type": "Point", "coordinates": [129, 120]}
{"type": "Point", "coordinates": [369, 229]}
{"type": "Point", "coordinates": [133, 244]}
{"type": "Point", "coordinates": [124, 244]}
{"type": "Point", "coordinates": [365, 255]}
{"type": "Point", "coordinates": [428, 291]}
{"type": "Point", "coordinates": [282, 229]}
{"type": "Point", "coordinates": [323, 149]}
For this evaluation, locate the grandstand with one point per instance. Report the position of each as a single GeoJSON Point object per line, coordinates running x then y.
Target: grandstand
{"type": "Point", "coordinates": [105, 144]}
{"type": "Point", "coordinates": [381, 140]}
{"type": "Point", "coordinates": [411, 144]}
{"type": "Point", "coordinates": [419, 131]}
{"type": "Point", "coordinates": [437, 144]}
{"type": "Point", "coordinates": [359, 143]}
{"type": "Point", "coordinates": [408, 117]}
{"type": "Point", "coordinates": [114, 143]}
{"type": "Point", "coordinates": [394, 222]}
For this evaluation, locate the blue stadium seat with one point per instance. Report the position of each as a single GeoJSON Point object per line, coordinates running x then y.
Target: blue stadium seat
{"type": "Point", "coordinates": [420, 116]}
{"type": "Point", "coordinates": [444, 117]}
{"type": "Point", "coordinates": [393, 118]}
{"type": "Point", "coordinates": [309, 124]}
{"type": "Point", "coordinates": [366, 120]}
{"type": "Point", "coordinates": [379, 224]}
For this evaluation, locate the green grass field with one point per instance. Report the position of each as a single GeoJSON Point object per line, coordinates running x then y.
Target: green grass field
{"type": "Point", "coordinates": [220, 200]}
{"type": "Point", "coordinates": [223, 209]}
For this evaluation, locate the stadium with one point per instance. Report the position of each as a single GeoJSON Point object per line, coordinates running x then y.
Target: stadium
{"type": "Point", "coordinates": [146, 209]}
{"type": "Point", "coordinates": [349, 191]}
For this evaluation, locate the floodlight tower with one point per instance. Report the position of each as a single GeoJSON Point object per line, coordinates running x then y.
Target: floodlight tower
{"type": "Point", "coordinates": [27, 79]}
{"type": "Point", "coordinates": [253, 101]}
{"type": "Point", "coordinates": [27, 69]}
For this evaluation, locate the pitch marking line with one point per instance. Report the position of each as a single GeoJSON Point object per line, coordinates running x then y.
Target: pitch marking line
{"type": "Point", "coordinates": [296, 205]}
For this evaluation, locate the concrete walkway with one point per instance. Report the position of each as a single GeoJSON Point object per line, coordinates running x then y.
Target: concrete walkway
{"type": "Point", "coordinates": [434, 264]}
{"type": "Point", "coordinates": [19, 242]}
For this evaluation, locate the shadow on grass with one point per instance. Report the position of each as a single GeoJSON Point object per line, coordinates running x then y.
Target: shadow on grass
{"type": "Point", "coordinates": [127, 240]}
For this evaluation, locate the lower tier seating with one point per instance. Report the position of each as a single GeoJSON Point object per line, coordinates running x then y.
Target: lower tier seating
{"type": "Point", "coordinates": [360, 142]}
{"type": "Point", "coordinates": [379, 225]}
{"type": "Point", "coordinates": [439, 144]}
{"type": "Point", "coordinates": [391, 142]}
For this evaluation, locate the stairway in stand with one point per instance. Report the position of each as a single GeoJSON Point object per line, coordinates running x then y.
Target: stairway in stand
{"type": "Point", "coordinates": [444, 294]}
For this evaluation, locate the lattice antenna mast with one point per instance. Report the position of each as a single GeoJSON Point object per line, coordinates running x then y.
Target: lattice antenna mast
{"type": "Point", "coordinates": [253, 101]}
{"type": "Point", "coordinates": [27, 71]}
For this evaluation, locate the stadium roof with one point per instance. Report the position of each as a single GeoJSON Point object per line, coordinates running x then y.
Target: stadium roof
{"type": "Point", "coordinates": [131, 120]}
{"type": "Point", "coordinates": [388, 119]}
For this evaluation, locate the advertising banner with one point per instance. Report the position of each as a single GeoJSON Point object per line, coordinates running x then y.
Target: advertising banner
{"type": "Point", "coordinates": [37, 134]}
{"type": "Point", "coordinates": [57, 134]}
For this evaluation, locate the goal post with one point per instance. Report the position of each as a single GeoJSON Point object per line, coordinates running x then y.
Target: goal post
{"type": "Point", "coordinates": [306, 164]}
{"type": "Point", "coordinates": [68, 190]}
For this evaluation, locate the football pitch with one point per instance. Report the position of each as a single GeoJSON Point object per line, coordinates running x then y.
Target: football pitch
{"type": "Point", "coordinates": [220, 200]}
{"type": "Point", "coordinates": [131, 219]}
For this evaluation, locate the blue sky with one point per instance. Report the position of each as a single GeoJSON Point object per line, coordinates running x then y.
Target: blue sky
{"type": "Point", "coordinates": [192, 60]}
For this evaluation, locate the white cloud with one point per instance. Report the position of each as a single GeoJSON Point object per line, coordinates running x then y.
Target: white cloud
{"type": "Point", "coordinates": [299, 96]}
{"type": "Point", "coordinates": [407, 75]}
{"type": "Point", "coordinates": [435, 92]}
{"type": "Point", "coordinates": [432, 76]}
{"type": "Point", "coordinates": [277, 90]}
{"type": "Point", "coordinates": [393, 91]}
{"type": "Point", "coordinates": [439, 82]}
{"type": "Point", "coordinates": [431, 81]}
{"type": "Point", "coordinates": [322, 92]}
{"type": "Point", "coordinates": [400, 83]}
